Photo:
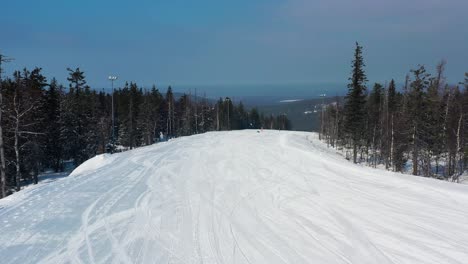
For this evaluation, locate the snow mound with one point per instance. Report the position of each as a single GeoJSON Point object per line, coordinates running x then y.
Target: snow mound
{"type": "Point", "coordinates": [463, 179]}
{"type": "Point", "coordinates": [93, 164]}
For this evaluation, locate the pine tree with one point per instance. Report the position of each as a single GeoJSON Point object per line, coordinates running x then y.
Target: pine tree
{"type": "Point", "coordinates": [184, 116]}
{"type": "Point", "coordinates": [104, 122]}
{"type": "Point", "coordinates": [89, 103]}
{"type": "Point", "coordinates": [374, 119]}
{"type": "Point", "coordinates": [130, 134]}
{"type": "Point", "coordinates": [391, 113]}
{"type": "Point", "coordinates": [401, 128]}
{"type": "Point", "coordinates": [436, 119]}
{"type": "Point", "coordinates": [53, 146]}
{"type": "Point", "coordinates": [417, 110]}
{"type": "Point", "coordinates": [254, 119]}
{"type": "Point", "coordinates": [243, 117]}
{"type": "Point", "coordinates": [170, 101]}
{"type": "Point", "coordinates": [355, 102]}
{"type": "Point", "coordinates": [134, 107]}
{"type": "Point", "coordinates": [144, 121]}
{"type": "Point", "coordinates": [35, 83]}
{"type": "Point", "coordinates": [464, 125]}
{"type": "Point", "coordinates": [79, 123]}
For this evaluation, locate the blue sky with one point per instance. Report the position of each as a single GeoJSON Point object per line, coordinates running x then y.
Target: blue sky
{"type": "Point", "coordinates": [234, 42]}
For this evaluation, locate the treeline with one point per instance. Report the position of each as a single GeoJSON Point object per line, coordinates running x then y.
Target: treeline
{"type": "Point", "coordinates": [423, 126]}
{"type": "Point", "coordinates": [44, 125]}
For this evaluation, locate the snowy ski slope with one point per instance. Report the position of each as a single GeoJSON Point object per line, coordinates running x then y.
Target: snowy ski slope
{"type": "Point", "coordinates": [235, 197]}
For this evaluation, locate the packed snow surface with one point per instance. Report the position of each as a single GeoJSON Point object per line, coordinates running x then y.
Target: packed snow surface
{"type": "Point", "coordinates": [235, 197]}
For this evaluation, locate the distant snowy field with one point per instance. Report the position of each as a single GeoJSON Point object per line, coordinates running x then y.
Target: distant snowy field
{"type": "Point", "coordinates": [235, 197]}
{"type": "Point", "coordinates": [291, 100]}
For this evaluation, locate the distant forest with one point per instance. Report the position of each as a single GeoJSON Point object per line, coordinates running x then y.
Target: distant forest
{"type": "Point", "coordinates": [422, 128]}
{"type": "Point", "coordinates": [44, 125]}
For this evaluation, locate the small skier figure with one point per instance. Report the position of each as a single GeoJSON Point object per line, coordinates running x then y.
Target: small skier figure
{"type": "Point", "coordinates": [161, 136]}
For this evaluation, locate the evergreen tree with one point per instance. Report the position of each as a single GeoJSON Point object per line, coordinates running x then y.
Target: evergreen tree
{"type": "Point", "coordinates": [254, 119]}
{"type": "Point", "coordinates": [79, 121]}
{"type": "Point", "coordinates": [434, 133]}
{"type": "Point", "coordinates": [53, 146]}
{"type": "Point", "coordinates": [374, 107]}
{"type": "Point", "coordinates": [390, 124]}
{"type": "Point", "coordinates": [170, 101]}
{"type": "Point", "coordinates": [184, 116]}
{"type": "Point", "coordinates": [156, 115]}
{"type": "Point", "coordinates": [104, 122]}
{"type": "Point", "coordinates": [417, 110]}
{"type": "Point", "coordinates": [130, 133]}
{"type": "Point", "coordinates": [355, 102]}
{"type": "Point", "coordinates": [145, 121]}
{"type": "Point", "coordinates": [464, 125]}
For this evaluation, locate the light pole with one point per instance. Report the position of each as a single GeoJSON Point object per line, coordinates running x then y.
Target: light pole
{"type": "Point", "coordinates": [112, 79]}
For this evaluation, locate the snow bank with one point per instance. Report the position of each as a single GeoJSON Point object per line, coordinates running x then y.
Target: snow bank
{"type": "Point", "coordinates": [93, 164]}
{"type": "Point", "coordinates": [463, 179]}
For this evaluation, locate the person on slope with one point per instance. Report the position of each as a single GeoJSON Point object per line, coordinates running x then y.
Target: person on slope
{"type": "Point", "coordinates": [161, 136]}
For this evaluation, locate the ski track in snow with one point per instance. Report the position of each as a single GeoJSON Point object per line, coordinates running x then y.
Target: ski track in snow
{"type": "Point", "coordinates": [236, 197]}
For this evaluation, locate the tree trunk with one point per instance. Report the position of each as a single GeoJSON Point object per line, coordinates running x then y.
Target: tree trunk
{"type": "Point", "coordinates": [446, 170]}
{"type": "Point", "coordinates": [196, 112]}
{"type": "Point", "coordinates": [217, 117]}
{"type": "Point", "coordinates": [17, 155]}
{"type": "Point", "coordinates": [36, 172]}
{"type": "Point", "coordinates": [155, 132]}
{"type": "Point", "coordinates": [2, 152]}
{"type": "Point", "coordinates": [374, 148]}
{"type": "Point", "coordinates": [392, 146]}
{"type": "Point", "coordinates": [336, 124]}
{"type": "Point", "coordinates": [415, 153]}
{"type": "Point", "coordinates": [449, 165]}
{"type": "Point", "coordinates": [459, 148]}
{"type": "Point", "coordinates": [354, 151]}
{"type": "Point", "coordinates": [2, 147]}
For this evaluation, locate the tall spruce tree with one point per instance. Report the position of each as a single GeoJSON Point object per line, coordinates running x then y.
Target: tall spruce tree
{"type": "Point", "coordinates": [355, 115]}
{"type": "Point", "coordinates": [79, 122]}
{"type": "Point", "coordinates": [390, 131]}
{"type": "Point", "coordinates": [53, 146]}
{"type": "Point", "coordinates": [170, 101]}
{"type": "Point", "coordinates": [418, 114]}
{"type": "Point", "coordinates": [464, 133]}
{"type": "Point", "coordinates": [36, 136]}
{"type": "Point", "coordinates": [374, 119]}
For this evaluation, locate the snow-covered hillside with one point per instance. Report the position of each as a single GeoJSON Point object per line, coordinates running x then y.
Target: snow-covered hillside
{"type": "Point", "coordinates": [235, 197]}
